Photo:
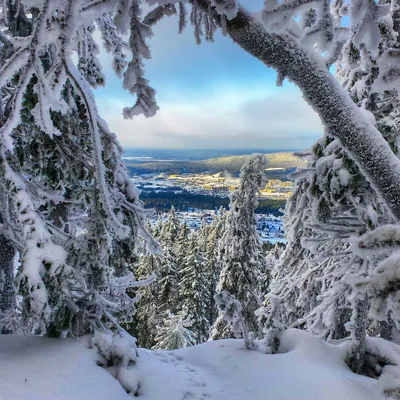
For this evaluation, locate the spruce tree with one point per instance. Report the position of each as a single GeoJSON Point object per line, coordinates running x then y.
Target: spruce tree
{"type": "Point", "coordinates": [203, 235]}
{"type": "Point", "coordinates": [242, 258]}
{"type": "Point", "coordinates": [170, 229]}
{"type": "Point", "coordinates": [71, 206]}
{"type": "Point", "coordinates": [182, 244]}
{"type": "Point", "coordinates": [175, 333]}
{"type": "Point", "coordinates": [147, 317]}
{"type": "Point", "coordinates": [167, 283]}
{"type": "Point", "coordinates": [213, 269]}
{"type": "Point", "coordinates": [193, 290]}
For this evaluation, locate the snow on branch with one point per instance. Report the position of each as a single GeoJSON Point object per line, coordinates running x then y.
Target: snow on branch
{"type": "Point", "coordinates": [113, 43]}
{"type": "Point", "coordinates": [381, 240]}
{"type": "Point", "coordinates": [231, 310]}
{"type": "Point", "coordinates": [134, 80]}
{"type": "Point", "coordinates": [158, 13]}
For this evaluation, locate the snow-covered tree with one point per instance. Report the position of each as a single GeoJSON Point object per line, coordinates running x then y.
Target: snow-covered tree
{"type": "Point", "coordinates": [193, 290]}
{"type": "Point", "coordinates": [202, 235]}
{"type": "Point", "coordinates": [333, 201]}
{"type": "Point", "coordinates": [68, 203]}
{"type": "Point", "coordinates": [213, 267]}
{"type": "Point", "coordinates": [170, 229]}
{"type": "Point", "coordinates": [232, 312]}
{"type": "Point", "coordinates": [182, 244]}
{"type": "Point", "coordinates": [147, 317]}
{"type": "Point", "coordinates": [18, 26]}
{"type": "Point", "coordinates": [57, 279]}
{"type": "Point", "coordinates": [271, 259]}
{"type": "Point", "coordinates": [269, 317]}
{"type": "Point", "coordinates": [167, 283]}
{"type": "Point", "coordinates": [243, 260]}
{"type": "Point", "coordinates": [175, 333]}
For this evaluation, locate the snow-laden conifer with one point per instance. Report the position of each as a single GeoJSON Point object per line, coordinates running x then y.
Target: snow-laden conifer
{"type": "Point", "coordinates": [170, 229]}
{"type": "Point", "coordinates": [73, 211]}
{"type": "Point", "coordinates": [231, 311]}
{"type": "Point", "coordinates": [175, 333]}
{"type": "Point", "coordinates": [193, 290]}
{"type": "Point", "coordinates": [242, 259]}
{"type": "Point", "coordinates": [147, 317]}
{"type": "Point", "coordinates": [167, 282]}
{"type": "Point", "coordinates": [213, 264]}
{"type": "Point", "coordinates": [182, 245]}
{"type": "Point", "coordinates": [333, 202]}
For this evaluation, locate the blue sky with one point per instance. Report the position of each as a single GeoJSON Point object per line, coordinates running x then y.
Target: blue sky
{"type": "Point", "coordinates": [213, 96]}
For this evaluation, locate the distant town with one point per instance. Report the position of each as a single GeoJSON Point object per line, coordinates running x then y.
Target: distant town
{"type": "Point", "coordinates": [197, 188]}
{"type": "Point", "coordinates": [219, 184]}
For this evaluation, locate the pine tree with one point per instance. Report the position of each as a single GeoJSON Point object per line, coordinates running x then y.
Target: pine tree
{"type": "Point", "coordinates": [58, 161]}
{"type": "Point", "coordinates": [231, 311]}
{"type": "Point", "coordinates": [182, 244]}
{"type": "Point", "coordinates": [147, 317]}
{"type": "Point", "coordinates": [170, 229]}
{"type": "Point", "coordinates": [175, 333]}
{"type": "Point", "coordinates": [271, 260]}
{"type": "Point", "coordinates": [242, 257]}
{"type": "Point", "coordinates": [213, 269]}
{"type": "Point", "coordinates": [203, 235]}
{"type": "Point", "coordinates": [167, 283]}
{"type": "Point", "coordinates": [193, 290]}
{"type": "Point", "coordinates": [157, 228]}
{"type": "Point", "coordinates": [18, 26]}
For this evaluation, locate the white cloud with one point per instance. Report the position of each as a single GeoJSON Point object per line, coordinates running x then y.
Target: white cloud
{"type": "Point", "coordinates": [223, 119]}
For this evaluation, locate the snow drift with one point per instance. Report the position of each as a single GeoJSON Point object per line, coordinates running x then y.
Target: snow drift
{"type": "Point", "coordinates": [34, 368]}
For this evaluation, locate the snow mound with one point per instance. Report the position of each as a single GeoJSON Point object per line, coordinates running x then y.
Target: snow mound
{"type": "Point", "coordinates": [35, 368]}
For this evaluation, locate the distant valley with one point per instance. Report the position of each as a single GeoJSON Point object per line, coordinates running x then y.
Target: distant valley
{"type": "Point", "coordinates": [277, 161]}
{"type": "Point", "coordinates": [206, 184]}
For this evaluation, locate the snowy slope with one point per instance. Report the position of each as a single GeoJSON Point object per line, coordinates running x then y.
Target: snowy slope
{"type": "Point", "coordinates": [49, 369]}
{"type": "Point", "coordinates": [225, 370]}
{"type": "Point", "coordinates": [34, 368]}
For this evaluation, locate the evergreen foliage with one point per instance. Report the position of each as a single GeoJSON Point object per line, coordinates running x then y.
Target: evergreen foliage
{"type": "Point", "coordinates": [175, 333]}
{"type": "Point", "coordinates": [167, 283]}
{"type": "Point", "coordinates": [147, 317]}
{"type": "Point", "coordinates": [68, 204]}
{"type": "Point", "coordinates": [242, 260]}
{"type": "Point", "coordinates": [320, 276]}
{"type": "Point", "coordinates": [193, 290]}
{"type": "Point", "coordinates": [213, 264]}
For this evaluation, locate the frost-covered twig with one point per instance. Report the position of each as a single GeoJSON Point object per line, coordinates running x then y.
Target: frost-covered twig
{"type": "Point", "coordinates": [231, 310]}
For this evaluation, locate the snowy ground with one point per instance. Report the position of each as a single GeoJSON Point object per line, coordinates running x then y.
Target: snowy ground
{"type": "Point", "coordinates": [51, 369]}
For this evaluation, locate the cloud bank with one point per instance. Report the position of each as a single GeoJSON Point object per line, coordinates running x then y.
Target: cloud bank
{"type": "Point", "coordinates": [210, 96]}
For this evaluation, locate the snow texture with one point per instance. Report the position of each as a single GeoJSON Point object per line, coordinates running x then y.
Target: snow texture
{"type": "Point", "coordinates": [49, 369]}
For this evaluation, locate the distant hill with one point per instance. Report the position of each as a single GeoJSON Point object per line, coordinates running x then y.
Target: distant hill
{"type": "Point", "coordinates": [285, 160]}
{"type": "Point", "coordinates": [282, 160]}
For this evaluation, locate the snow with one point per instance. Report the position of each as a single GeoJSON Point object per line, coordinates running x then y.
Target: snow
{"type": "Point", "coordinates": [35, 368]}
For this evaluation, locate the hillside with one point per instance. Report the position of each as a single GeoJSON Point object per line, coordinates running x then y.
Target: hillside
{"type": "Point", "coordinates": [284, 160]}
{"type": "Point", "coordinates": [36, 368]}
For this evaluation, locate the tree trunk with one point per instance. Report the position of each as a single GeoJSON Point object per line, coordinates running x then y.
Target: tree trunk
{"type": "Point", "coordinates": [341, 117]}
{"type": "Point", "coordinates": [358, 333]}
{"type": "Point", "coordinates": [7, 292]}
